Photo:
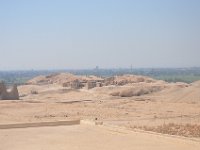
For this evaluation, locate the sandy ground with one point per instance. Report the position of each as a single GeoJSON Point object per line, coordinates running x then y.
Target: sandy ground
{"type": "Point", "coordinates": [53, 105]}
{"type": "Point", "coordinates": [176, 104]}
{"type": "Point", "coordinates": [88, 137]}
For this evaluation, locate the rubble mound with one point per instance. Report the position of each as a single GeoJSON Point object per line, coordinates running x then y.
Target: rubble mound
{"type": "Point", "coordinates": [51, 79]}
{"type": "Point", "coordinates": [136, 91]}
{"type": "Point", "coordinates": [60, 78]}
{"type": "Point", "coordinates": [128, 79]}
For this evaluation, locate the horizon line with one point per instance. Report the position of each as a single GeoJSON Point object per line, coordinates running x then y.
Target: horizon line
{"type": "Point", "coordinates": [81, 69]}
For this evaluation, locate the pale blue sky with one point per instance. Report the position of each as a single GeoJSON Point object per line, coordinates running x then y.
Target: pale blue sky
{"type": "Point", "coordinates": [77, 34]}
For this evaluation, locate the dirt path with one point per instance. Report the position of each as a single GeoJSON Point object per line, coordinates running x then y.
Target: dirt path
{"type": "Point", "coordinates": [88, 137]}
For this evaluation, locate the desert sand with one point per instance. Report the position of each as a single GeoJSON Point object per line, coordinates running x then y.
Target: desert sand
{"type": "Point", "coordinates": [88, 137]}
{"type": "Point", "coordinates": [132, 103]}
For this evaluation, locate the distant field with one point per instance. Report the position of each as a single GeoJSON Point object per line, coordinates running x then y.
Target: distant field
{"type": "Point", "coordinates": [178, 78]}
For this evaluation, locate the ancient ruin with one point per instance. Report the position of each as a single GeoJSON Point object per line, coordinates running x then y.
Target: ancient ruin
{"type": "Point", "coordinates": [90, 84]}
{"type": "Point", "coordinates": [10, 94]}
{"type": "Point", "coordinates": [76, 84]}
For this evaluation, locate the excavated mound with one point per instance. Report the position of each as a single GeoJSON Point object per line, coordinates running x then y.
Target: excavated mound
{"type": "Point", "coordinates": [128, 79]}
{"type": "Point", "coordinates": [60, 79]}
{"type": "Point", "coordinates": [51, 79]}
{"type": "Point", "coordinates": [131, 85]}
{"type": "Point", "coordinates": [157, 87]}
{"type": "Point", "coordinates": [67, 77]}
{"type": "Point", "coordinates": [124, 85]}
{"type": "Point", "coordinates": [128, 86]}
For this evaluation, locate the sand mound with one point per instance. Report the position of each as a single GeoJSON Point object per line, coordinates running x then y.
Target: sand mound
{"type": "Point", "coordinates": [181, 92]}
{"type": "Point", "coordinates": [196, 84]}
{"type": "Point", "coordinates": [136, 91]}
{"type": "Point", "coordinates": [189, 94]}
{"type": "Point", "coordinates": [38, 80]}
{"type": "Point", "coordinates": [60, 79]}
{"type": "Point", "coordinates": [67, 77]}
{"type": "Point", "coordinates": [128, 86]}
{"type": "Point", "coordinates": [51, 79]}
{"type": "Point", "coordinates": [128, 79]}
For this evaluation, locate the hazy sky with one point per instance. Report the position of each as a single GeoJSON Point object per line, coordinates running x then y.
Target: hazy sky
{"type": "Point", "coordinates": [62, 34]}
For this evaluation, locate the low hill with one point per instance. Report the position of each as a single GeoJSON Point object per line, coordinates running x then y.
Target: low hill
{"type": "Point", "coordinates": [60, 79]}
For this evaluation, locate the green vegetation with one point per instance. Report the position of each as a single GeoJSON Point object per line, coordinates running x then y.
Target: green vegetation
{"type": "Point", "coordinates": [178, 78]}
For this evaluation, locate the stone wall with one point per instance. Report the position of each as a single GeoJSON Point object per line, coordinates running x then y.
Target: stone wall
{"type": "Point", "coordinates": [11, 94]}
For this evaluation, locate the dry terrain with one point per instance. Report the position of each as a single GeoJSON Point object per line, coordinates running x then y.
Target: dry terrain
{"type": "Point", "coordinates": [132, 102]}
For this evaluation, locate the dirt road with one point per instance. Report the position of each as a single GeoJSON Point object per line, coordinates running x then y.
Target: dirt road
{"type": "Point", "coordinates": [88, 137]}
